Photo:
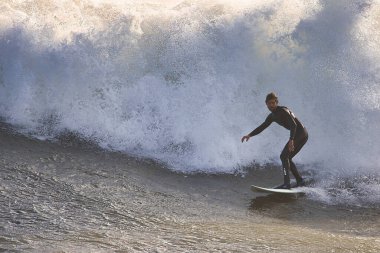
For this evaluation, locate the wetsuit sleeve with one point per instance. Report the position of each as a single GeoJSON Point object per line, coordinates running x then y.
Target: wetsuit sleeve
{"type": "Point", "coordinates": [264, 125]}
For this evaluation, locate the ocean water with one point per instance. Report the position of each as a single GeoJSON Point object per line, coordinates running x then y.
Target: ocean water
{"type": "Point", "coordinates": [180, 82]}
{"type": "Point", "coordinates": [72, 197]}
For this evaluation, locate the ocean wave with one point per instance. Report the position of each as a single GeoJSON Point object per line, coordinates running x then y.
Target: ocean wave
{"type": "Point", "coordinates": [182, 82]}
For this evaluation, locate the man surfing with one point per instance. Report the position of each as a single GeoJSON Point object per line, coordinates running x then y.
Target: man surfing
{"type": "Point", "coordinates": [298, 137]}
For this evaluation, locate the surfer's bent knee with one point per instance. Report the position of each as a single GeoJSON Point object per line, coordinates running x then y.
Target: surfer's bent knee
{"type": "Point", "coordinates": [284, 156]}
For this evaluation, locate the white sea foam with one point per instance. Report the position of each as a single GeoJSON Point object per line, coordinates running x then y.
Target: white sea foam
{"type": "Point", "coordinates": [182, 82]}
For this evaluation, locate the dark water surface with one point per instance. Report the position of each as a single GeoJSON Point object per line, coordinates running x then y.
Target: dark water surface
{"type": "Point", "coordinates": [72, 197]}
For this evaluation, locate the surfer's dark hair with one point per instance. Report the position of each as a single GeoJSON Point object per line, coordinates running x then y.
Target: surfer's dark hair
{"type": "Point", "coordinates": [271, 96]}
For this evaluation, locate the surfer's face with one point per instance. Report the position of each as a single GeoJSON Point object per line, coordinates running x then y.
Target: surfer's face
{"type": "Point", "coordinates": [272, 104]}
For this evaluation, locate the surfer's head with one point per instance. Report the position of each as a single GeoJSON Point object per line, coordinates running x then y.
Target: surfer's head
{"type": "Point", "coordinates": [271, 101]}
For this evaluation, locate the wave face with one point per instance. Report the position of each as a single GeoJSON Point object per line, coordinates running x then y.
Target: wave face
{"type": "Point", "coordinates": [182, 82]}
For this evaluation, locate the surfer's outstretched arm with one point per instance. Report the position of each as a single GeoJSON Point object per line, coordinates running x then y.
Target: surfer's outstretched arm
{"type": "Point", "coordinates": [259, 129]}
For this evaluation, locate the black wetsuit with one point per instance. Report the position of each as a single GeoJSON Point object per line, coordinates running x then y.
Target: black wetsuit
{"type": "Point", "coordinates": [284, 117]}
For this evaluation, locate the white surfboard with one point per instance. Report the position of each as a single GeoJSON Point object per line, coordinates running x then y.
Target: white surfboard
{"type": "Point", "coordinates": [292, 190]}
{"type": "Point", "coordinates": [296, 190]}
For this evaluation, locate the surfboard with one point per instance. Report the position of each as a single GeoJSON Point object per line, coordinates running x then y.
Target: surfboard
{"type": "Point", "coordinates": [296, 190]}
{"type": "Point", "coordinates": [292, 190]}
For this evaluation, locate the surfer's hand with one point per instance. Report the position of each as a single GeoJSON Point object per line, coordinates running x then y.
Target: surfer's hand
{"type": "Point", "coordinates": [246, 138]}
{"type": "Point", "coordinates": [291, 145]}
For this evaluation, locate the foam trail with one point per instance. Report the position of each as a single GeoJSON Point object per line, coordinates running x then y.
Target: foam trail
{"type": "Point", "coordinates": [181, 82]}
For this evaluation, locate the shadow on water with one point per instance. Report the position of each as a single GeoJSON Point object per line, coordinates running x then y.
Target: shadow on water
{"type": "Point", "coordinates": [281, 206]}
{"type": "Point", "coordinates": [271, 201]}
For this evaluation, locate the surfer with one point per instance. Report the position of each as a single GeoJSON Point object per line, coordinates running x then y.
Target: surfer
{"type": "Point", "coordinates": [298, 137]}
